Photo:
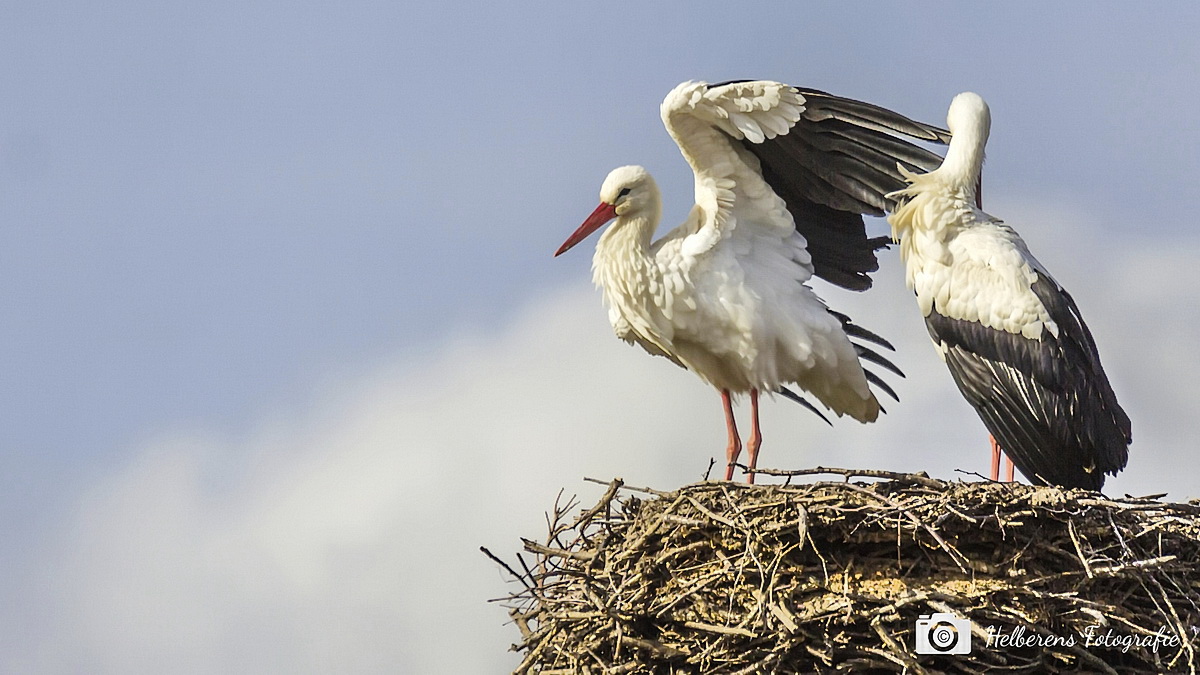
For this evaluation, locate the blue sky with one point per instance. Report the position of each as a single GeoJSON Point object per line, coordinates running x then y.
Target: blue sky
{"type": "Point", "coordinates": [283, 342]}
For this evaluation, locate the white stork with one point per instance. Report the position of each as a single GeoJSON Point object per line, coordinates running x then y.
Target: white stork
{"type": "Point", "coordinates": [783, 176]}
{"type": "Point", "coordinates": [1012, 337]}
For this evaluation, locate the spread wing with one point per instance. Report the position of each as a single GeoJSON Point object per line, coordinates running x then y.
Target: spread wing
{"type": "Point", "coordinates": [794, 158]}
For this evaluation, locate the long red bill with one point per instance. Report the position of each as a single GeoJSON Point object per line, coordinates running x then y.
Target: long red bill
{"type": "Point", "coordinates": [603, 213]}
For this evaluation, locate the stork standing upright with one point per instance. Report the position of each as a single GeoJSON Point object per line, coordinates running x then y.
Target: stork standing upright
{"type": "Point", "coordinates": [1013, 338]}
{"type": "Point", "coordinates": [782, 178]}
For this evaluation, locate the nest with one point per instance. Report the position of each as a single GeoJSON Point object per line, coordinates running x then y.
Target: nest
{"type": "Point", "coordinates": [850, 575]}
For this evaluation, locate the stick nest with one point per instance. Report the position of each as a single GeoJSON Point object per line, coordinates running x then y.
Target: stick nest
{"type": "Point", "coordinates": [833, 576]}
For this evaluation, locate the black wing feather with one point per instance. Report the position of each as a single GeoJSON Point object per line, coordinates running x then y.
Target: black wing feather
{"type": "Point", "coordinates": [854, 330]}
{"type": "Point", "coordinates": [867, 354]}
{"type": "Point", "coordinates": [835, 165]}
{"type": "Point", "coordinates": [869, 115]}
{"type": "Point", "coordinates": [864, 354]}
{"type": "Point", "coordinates": [1047, 402]}
{"type": "Point", "coordinates": [793, 396]}
{"type": "Point", "coordinates": [878, 382]}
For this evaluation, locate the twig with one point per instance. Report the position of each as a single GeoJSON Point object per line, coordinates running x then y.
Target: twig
{"type": "Point", "coordinates": [507, 568]}
{"type": "Point", "coordinates": [534, 547]}
{"type": "Point", "coordinates": [918, 478]}
{"type": "Point", "coordinates": [1079, 549]}
{"type": "Point", "coordinates": [724, 630]}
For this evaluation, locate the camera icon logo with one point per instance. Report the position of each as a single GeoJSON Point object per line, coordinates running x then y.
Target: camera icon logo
{"type": "Point", "coordinates": [943, 633]}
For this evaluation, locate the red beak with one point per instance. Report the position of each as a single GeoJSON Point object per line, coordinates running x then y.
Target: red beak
{"type": "Point", "coordinates": [603, 213]}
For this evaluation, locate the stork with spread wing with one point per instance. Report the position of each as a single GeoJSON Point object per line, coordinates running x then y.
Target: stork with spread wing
{"type": "Point", "coordinates": [783, 178]}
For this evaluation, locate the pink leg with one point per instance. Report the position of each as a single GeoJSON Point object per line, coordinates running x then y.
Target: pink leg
{"type": "Point", "coordinates": [735, 443]}
{"type": "Point", "coordinates": [755, 441]}
{"type": "Point", "coordinates": [995, 458]}
{"type": "Point", "coordinates": [1008, 469]}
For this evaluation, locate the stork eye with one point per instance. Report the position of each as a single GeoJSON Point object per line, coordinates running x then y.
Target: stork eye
{"type": "Point", "coordinates": [622, 193]}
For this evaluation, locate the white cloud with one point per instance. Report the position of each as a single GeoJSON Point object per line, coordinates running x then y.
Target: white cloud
{"type": "Point", "coordinates": [343, 537]}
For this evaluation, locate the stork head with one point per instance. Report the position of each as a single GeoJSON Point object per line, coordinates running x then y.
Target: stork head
{"type": "Point", "coordinates": [627, 192]}
{"type": "Point", "coordinates": [969, 114]}
{"type": "Point", "coordinates": [970, 122]}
